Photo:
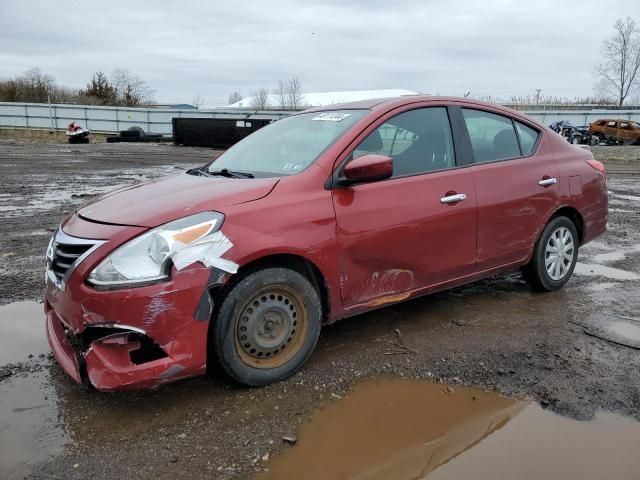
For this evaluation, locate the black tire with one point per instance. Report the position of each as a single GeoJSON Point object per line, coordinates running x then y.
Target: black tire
{"type": "Point", "coordinates": [535, 272]}
{"type": "Point", "coordinates": [594, 140]}
{"type": "Point", "coordinates": [298, 326]}
{"type": "Point", "coordinates": [576, 140]}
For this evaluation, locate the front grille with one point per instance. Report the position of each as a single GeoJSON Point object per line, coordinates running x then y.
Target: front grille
{"type": "Point", "coordinates": [65, 255]}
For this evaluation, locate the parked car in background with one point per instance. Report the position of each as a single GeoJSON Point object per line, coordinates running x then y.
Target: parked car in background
{"type": "Point", "coordinates": [319, 216]}
{"type": "Point", "coordinates": [574, 135]}
{"type": "Point", "coordinates": [622, 132]}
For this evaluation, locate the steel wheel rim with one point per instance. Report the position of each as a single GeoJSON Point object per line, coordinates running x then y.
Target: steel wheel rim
{"type": "Point", "coordinates": [559, 253]}
{"type": "Point", "coordinates": [271, 328]}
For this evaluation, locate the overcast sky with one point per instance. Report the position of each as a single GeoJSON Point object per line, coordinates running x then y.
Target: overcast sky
{"type": "Point", "coordinates": [183, 48]}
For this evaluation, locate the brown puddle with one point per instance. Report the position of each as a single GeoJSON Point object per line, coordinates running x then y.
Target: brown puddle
{"type": "Point", "coordinates": [22, 332]}
{"type": "Point", "coordinates": [30, 431]}
{"type": "Point", "coordinates": [402, 429]}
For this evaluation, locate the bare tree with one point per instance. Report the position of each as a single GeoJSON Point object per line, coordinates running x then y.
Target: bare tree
{"type": "Point", "coordinates": [280, 93]}
{"type": "Point", "coordinates": [260, 99]}
{"type": "Point", "coordinates": [293, 88]}
{"type": "Point", "coordinates": [31, 86]}
{"type": "Point", "coordinates": [235, 97]}
{"type": "Point", "coordinates": [130, 90]}
{"type": "Point", "coordinates": [197, 101]}
{"type": "Point", "coordinates": [618, 73]}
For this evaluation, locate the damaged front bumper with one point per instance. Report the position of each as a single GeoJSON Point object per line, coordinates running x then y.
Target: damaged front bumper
{"type": "Point", "coordinates": [132, 338]}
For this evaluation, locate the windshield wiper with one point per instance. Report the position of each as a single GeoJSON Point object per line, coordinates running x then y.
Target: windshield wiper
{"type": "Point", "coordinates": [199, 171]}
{"type": "Point", "coordinates": [225, 172]}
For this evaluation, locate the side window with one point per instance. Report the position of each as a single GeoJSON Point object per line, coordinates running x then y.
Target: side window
{"type": "Point", "coordinates": [418, 141]}
{"type": "Point", "coordinates": [528, 137]}
{"type": "Point", "coordinates": [492, 136]}
{"type": "Point", "coordinates": [611, 124]}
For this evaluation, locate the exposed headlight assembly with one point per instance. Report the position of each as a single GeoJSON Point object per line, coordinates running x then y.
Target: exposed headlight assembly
{"type": "Point", "coordinates": [148, 258]}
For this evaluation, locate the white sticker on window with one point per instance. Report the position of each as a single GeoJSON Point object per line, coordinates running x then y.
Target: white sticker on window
{"type": "Point", "coordinates": [331, 116]}
{"type": "Point", "coordinates": [290, 166]}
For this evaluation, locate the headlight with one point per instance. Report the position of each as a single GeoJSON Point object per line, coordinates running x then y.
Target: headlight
{"type": "Point", "coordinates": [148, 258]}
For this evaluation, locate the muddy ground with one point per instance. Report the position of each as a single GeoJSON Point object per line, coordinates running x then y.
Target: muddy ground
{"type": "Point", "coordinates": [496, 335]}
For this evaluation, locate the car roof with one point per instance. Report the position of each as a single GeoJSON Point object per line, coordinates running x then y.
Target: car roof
{"type": "Point", "coordinates": [391, 103]}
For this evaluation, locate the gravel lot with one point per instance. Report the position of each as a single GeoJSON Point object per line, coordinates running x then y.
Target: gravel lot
{"type": "Point", "coordinates": [494, 334]}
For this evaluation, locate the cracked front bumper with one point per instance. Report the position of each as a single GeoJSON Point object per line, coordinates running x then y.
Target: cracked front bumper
{"type": "Point", "coordinates": [99, 337]}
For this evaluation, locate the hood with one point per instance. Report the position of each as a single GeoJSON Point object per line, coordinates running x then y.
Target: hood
{"type": "Point", "coordinates": [153, 203]}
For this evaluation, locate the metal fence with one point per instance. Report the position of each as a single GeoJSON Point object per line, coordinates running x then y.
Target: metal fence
{"type": "Point", "coordinates": [158, 120]}
{"type": "Point", "coordinates": [582, 117]}
{"type": "Point", "coordinates": [112, 119]}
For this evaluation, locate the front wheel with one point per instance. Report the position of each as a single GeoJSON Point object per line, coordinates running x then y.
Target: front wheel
{"type": "Point", "coordinates": [554, 256]}
{"type": "Point", "coordinates": [267, 326]}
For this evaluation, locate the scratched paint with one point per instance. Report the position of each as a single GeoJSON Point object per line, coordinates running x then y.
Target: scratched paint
{"type": "Point", "coordinates": [388, 286]}
{"type": "Point", "coordinates": [392, 281]}
{"type": "Point", "coordinates": [156, 308]}
{"type": "Point", "coordinates": [389, 299]}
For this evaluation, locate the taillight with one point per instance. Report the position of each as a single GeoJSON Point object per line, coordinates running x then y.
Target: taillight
{"type": "Point", "coordinates": [597, 165]}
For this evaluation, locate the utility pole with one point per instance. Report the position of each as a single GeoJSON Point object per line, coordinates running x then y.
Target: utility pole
{"type": "Point", "coordinates": [538, 92]}
{"type": "Point", "coordinates": [50, 114]}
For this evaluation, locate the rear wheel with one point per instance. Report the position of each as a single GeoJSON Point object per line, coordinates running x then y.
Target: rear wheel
{"type": "Point", "coordinates": [554, 256]}
{"type": "Point", "coordinates": [267, 326]}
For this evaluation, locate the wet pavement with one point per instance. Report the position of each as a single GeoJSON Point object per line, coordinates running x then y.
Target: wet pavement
{"type": "Point", "coordinates": [30, 424]}
{"type": "Point", "coordinates": [23, 324]}
{"type": "Point", "coordinates": [561, 366]}
{"type": "Point", "coordinates": [403, 429]}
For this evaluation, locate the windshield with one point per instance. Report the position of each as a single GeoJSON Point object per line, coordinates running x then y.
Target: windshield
{"type": "Point", "coordinates": [288, 146]}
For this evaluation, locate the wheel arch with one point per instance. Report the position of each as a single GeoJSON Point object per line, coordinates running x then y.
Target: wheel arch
{"type": "Point", "coordinates": [572, 214]}
{"type": "Point", "coordinates": [295, 262]}
{"type": "Point", "coordinates": [564, 211]}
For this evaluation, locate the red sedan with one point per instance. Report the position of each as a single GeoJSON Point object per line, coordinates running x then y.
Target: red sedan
{"type": "Point", "coordinates": [319, 216]}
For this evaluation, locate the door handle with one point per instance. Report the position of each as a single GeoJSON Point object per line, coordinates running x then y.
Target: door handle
{"type": "Point", "coordinates": [458, 197]}
{"type": "Point", "coordinates": [545, 182]}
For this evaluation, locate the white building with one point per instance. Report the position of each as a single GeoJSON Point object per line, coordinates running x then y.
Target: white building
{"type": "Point", "coordinates": [319, 99]}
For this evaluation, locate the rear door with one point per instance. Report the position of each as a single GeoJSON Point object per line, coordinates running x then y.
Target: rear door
{"type": "Point", "coordinates": [409, 231]}
{"type": "Point", "coordinates": [611, 130]}
{"type": "Point", "coordinates": [626, 134]}
{"type": "Point", "coordinates": [516, 186]}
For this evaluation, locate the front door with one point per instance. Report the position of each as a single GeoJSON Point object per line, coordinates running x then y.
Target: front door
{"type": "Point", "coordinates": [411, 230]}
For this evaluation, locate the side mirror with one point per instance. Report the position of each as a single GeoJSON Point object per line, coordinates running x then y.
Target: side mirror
{"type": "Point", "coordinates": [367, 168]}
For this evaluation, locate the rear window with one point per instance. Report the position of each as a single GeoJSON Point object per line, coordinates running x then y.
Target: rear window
{"type": "Point", "coordinates": [528, 138]}
{"type": "Point", "coordinates": [492, 136]}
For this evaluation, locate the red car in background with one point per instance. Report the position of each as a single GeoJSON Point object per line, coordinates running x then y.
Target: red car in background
{"type": "Point", "coordinates": [319, 216]}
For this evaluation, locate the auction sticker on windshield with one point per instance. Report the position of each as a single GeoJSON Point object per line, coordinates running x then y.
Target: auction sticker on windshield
{"type": "Point", "coordinates": [331, 116]}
